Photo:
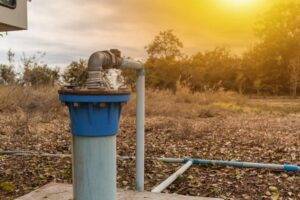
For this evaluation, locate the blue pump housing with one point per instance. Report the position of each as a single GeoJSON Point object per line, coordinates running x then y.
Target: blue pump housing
{"type": "Point", "coordinates": [94, 115]}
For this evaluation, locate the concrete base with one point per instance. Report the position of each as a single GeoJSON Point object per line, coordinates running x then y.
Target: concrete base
{"type": "Point", "coordinates": [57, 191]}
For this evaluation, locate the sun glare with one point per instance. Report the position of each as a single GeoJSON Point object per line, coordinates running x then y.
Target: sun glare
{"type": "Point", "coordinates": [239, 3]}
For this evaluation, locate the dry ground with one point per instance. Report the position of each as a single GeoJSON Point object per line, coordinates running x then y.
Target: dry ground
{"type": "Point", "coordinates": [211, 125]}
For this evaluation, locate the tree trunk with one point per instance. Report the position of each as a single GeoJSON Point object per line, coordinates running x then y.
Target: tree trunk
{"type": "Point", "coordinates": [294, 75]}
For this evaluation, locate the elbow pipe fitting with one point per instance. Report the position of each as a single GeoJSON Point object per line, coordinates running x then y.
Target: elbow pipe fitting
{"type": "Point", "coordinates": [98, 62]}
{"type": "Point", "coordinates": [104, 60]}
{"type": "Point", "coordinates": [112, 59]}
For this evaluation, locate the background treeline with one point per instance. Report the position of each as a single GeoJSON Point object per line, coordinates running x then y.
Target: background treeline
{"type": "Point", "coordinates": [270, 67]}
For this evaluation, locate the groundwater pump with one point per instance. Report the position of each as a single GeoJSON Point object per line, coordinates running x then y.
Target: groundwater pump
{"type": "Point", "coordinates": [95, 110]}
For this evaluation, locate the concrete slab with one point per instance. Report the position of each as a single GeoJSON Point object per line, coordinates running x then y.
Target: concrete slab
{"type": "Point", "coordinates": [58, 191]}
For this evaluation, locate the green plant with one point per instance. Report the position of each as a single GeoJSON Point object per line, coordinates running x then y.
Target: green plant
{"type": "Point", "coordinates": [76, 73]}
{"type": "Point", "coordinates": [36, 73]}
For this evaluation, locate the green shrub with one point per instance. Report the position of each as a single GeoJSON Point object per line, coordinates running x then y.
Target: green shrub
{"type": "Point", "coordinates": [76, 73]}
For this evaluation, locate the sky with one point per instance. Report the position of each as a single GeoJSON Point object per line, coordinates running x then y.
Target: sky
{"type": "Point", "coordinates": [69, 30]}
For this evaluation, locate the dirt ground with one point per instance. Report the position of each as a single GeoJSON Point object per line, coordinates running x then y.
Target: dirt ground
{"type": "Point", "coordinates": [257, 131]}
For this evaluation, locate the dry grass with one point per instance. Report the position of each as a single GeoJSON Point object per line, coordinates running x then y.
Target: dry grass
{"type": "Point", "coordinates": [44, 101]}
{"type": "Point", "coordinates": [175, 127]}
{"type": "Point", "coordinates": [29, 99]}
{"type": "Point", "coordinates": [24, 107]}
{"type": "Point", "coordinates": [185, 103]}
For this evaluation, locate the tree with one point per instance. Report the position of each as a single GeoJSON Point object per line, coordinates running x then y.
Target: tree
{"type": "Point", "coordinates": [7, 73]}
{"type": "Point", "coordinates": [295, 74]}
{"type": "Point", "coordinates": [10, 57]}
{"type": "Point", "coordinates": [36, 73]}
{"type": "Point", "coordinates": [166, 45]}
{"type": "Point", "coordinates": [213, 69]}
{"type": "Point", "coordinates": [164, 63]}
{"type": "Point", "coordinates": [279, 34]}
{"type": "Point", "coordinates": [76, 73]}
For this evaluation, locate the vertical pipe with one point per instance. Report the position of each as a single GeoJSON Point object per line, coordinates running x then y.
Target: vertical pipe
{"type": "Point", "coordinates": [140, 136]}
{"type": "Point", "coordinates": [73, 174]}
{"type": "Point", "coordinates": [94, 168]}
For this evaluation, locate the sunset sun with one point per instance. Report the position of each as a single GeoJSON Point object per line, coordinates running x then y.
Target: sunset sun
{"type": "Point", "coordinates": [239, 3]}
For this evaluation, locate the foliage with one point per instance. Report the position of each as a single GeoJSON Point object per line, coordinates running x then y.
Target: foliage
{"type": "Point", "coordinates": [279, 35]}
{"type": "Point", "coordinates": [76, 73]}
{"type": "Point", "coordinates": [7, 73]}
{"type": "Point", "coordinates": [210, 70]}
{"type": "Point", "coordinates": [166, 45]}
{"type": "Point", "coordinates": [269, 67]}
{"type": "Point", "coordinates": [7, 186]}
{"type": "Point", "coordinates": [213, 69]}
{"type": "Point", "coordinates": [163, 73]}
{"type": "Point", "coordinates": [164, 64]}
{"type": "Point", "coordinates": [38, 73]}
{"type": "Point", "coordinates": [294, 67]}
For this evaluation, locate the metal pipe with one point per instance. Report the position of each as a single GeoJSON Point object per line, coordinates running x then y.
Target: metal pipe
{"type": "Point", "coordinates": [104, 60]}
{"type": "Point", "coordinates": [161, 187]}
{"type": "Point", "coordinates": [140, 130]}
{"type": "Point", "coordinates": [98, 62]}
{"type": "Point", "coordinates": [94, 168]}
{"type": "Point", "coordinates": [112, 59]}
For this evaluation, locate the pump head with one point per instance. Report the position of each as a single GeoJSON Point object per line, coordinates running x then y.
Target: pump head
{"type": "Point", "coordinates": [104, 60]}
{"type": "Point", "coordinates": [98, 74]}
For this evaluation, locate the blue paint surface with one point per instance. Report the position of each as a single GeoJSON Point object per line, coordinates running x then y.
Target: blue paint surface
{"type": "Point", "coordinates": [288, 168]}
{"type": "Point", "coordinates": [90, 118]}
{"type": "Point", "coordinates": [291, 168]}
{"type": "Point", "coordinates": [117, 98]}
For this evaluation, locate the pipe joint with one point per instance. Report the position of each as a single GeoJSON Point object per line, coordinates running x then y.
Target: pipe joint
{"type": "Point", "coordinates": [131, 64]}
{"type": "Point", "coordinates": [104, 60]}
{"type": "Point", "coordinates": [141, 72]}
{"type": "Point", "coordinates": [187, 159]}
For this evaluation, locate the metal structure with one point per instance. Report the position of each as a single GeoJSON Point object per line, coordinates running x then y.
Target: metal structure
{"type": "Point", "coordinates": [112, 59]}
{"type": "Point", "coordinates": [95, 118]}
{"type": "Point", "coordinates": [95, 112]}
{"type": "Point", "coordinates": [13, 15]}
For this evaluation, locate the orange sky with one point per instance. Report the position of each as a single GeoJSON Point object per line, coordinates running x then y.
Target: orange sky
{"type": "Point", "coordinates": [69, 30]}
{"type": "Point", "coordinates": [203, 24]}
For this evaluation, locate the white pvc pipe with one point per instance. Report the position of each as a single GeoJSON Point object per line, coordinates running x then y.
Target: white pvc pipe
{"type": "Point", "coordinates": [140, 130]}
{"type": "Point", "coordinates": [95, 173]}
{"type": "Point", "coordinates": [161, 187]}
{"type": "Point", "coordinates": [131, 64]}
{"type": "Point", "coordinates": [140, 120]}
